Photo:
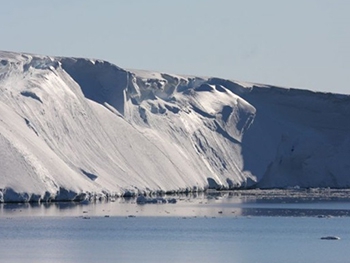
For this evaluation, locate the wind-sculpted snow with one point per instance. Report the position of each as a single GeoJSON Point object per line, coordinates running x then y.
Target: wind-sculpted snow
{"type": "Point", "coordinates": [72, 129]}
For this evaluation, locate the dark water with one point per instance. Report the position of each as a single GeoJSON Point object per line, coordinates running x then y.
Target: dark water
{"type": "Point", "coordinates": [202, 229]}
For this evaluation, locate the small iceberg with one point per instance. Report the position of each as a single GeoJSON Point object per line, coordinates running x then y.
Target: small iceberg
{"type": "Point", "coordinates": [141, 199]}
{"type": "Point", "coordinates": [330, 238]}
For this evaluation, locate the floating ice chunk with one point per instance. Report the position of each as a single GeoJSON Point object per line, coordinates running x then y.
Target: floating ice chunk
{"type": "Point", "coordinates": [141, 199]}
{"type": "Point", "coordinates": [172, 201]}
{"type": "Point", "coordinates": [330, 238]}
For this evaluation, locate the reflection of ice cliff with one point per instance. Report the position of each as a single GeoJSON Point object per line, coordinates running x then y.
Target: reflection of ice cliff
{"type": "Point", "coordinates": [71, 128]}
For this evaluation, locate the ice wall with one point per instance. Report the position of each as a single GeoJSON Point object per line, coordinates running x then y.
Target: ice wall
{"type": "Point", "coordinates": [75, 128]}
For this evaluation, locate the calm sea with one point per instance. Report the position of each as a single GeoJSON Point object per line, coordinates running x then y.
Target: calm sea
{"type": "Point", "coordinates": [219, 228]}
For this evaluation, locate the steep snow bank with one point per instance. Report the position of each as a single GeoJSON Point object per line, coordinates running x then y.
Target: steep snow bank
{"type": "Point", "coordinates": [75, 128]}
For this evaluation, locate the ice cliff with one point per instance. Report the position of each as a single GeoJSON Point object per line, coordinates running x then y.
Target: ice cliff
{"type": "Point", "coordinates": [72, 128]}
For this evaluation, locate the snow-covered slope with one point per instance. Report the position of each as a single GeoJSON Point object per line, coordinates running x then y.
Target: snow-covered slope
{"type": "Point", "coordinates": [71, 128]}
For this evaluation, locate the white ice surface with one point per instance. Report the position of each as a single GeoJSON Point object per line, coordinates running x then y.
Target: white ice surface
{"type": "Point", "coordinates": [70, 127]}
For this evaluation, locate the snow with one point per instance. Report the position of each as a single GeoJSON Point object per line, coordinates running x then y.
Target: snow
{"type": "Point", "coordinates": [74, 128]}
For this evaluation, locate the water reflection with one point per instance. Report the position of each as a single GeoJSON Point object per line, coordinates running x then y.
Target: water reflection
{"type": "Point", "coordinates": [287, 203]}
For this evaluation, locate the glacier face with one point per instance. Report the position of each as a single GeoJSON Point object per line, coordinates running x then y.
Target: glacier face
{"type": "Point", "coordinates": [72, 127]}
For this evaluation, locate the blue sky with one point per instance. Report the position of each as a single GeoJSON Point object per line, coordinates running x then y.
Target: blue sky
{"type": "Point", "coordinates": [300, 43]}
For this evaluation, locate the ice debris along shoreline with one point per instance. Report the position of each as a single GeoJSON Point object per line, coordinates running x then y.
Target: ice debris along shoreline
{"type": "Point", "coordinates": [297, 194]}
{"type": "Point", "coordinates": [10, 196]}
{"type": "Point", "coordinates": [71, 127]}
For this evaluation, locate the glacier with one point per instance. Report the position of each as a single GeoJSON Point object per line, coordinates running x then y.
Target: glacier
{"type": "Point", "coordinates": [75, 128]}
